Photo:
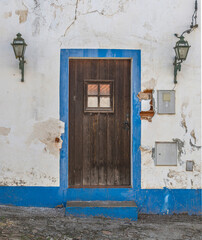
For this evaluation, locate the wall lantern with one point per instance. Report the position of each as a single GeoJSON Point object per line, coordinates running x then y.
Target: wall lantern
{"type": "Point", "coordinates": [181, 51]}
{"type": "Point", "coordinates": [19, 47]}
{"type": "Point", "coordinates": [182, 47]}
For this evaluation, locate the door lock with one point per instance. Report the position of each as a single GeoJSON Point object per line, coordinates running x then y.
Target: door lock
{"type": "Point", "coordinates": [126, 124]}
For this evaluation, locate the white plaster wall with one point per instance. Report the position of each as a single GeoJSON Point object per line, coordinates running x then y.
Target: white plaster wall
{"type": "Point", "coordinates": [29, 122]}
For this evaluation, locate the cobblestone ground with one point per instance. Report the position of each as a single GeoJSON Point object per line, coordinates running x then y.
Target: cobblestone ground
{"type": "Point", "coordinates": [19, 223]}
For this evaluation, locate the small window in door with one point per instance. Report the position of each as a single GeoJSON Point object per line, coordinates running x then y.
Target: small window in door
{"type": "Point", "coordinates": [98, 96]}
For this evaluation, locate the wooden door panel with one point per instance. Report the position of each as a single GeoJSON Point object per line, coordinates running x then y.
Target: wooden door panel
{"type": "Point", "coordinates": [99, 144]}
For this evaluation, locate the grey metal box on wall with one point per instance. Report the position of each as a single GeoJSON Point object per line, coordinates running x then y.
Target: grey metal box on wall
{"type": "Point", "coordinates": [165, 153]}
{"type": "Point", "coordinates": [165, 101]}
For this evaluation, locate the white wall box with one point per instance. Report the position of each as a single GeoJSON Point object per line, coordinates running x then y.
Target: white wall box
{"type": "Point", "coordinates": [166, 101]}
{"type": "Point", "coordinates": [166, 154]}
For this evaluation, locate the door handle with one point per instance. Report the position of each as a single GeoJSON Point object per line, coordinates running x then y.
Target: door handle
{"type": "Point", "coordinates": [126, 124]}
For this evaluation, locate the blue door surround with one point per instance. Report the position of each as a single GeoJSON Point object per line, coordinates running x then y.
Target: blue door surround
{"type": "Point", "coordinates": [99, 193]}
{"type": "Point", "coordinates": [156, 201]}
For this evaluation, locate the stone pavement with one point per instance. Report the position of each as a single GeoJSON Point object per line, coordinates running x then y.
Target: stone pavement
{"type": "Point", "coordinates": [19, 223]}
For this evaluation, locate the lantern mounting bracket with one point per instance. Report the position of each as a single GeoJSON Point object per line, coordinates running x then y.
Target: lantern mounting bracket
{"type": "Point", "coordinates": [182, 46]}
{"type": "Point", "coordinates": [177, 67]}
{"type": "Point", "coordinates": [21, 67]}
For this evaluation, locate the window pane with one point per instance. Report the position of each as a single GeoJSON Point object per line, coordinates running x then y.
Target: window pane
{"type": "Point", "coordinates": [105, 102]}
{"type": "Point", "coordinates": [92, 102]}
{"type": "Point", "coordinates": [104, 89]}
{"type": "Point", "coordinates": [92, 89]}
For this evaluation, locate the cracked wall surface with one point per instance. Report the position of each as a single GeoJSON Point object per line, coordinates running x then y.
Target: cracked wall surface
{"type": "Point", "coordinates": [30, 130]}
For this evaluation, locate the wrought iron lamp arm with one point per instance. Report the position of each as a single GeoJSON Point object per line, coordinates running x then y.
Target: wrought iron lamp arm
{"type": "Point", "coordinates": [21, 66]}
{"type": "Point", "coordinates": [177, 67]}
{"type": "Point", "coordinates": [194, 25]}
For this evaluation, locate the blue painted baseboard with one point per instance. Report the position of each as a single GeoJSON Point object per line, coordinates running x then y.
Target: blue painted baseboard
{"type": "Point", "coordinates": [152, 201]}
{"type": "Point", "coordinates": [31, 196]}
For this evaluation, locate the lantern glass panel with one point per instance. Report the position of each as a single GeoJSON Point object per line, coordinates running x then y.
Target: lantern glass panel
{"type": "Point", "coordinates": [176, 53]}
{"type": "Point", "coordinates": [19, 50]}
{"type": "Point", "coordinates": [183, 52]}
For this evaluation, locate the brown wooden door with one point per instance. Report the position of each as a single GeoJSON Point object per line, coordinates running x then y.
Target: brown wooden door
{"type": "Point", "coordinates": [99, 123]}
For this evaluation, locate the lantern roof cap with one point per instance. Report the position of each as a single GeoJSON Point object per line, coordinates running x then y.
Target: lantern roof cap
{"type": "Point", "coordinates": [19, 40]}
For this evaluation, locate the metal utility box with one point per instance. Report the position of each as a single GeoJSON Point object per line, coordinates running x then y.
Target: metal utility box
{"type": "Point", "coordinates": [166, 154]}
{"type": "Point", "coordinates": [189, 166]}
{"type": "Point", "coordinates": [165, 101]}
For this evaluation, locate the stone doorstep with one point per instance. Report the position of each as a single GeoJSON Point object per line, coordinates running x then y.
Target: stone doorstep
{"type": "Point", "coordinates": [110, 209]}
{"type": "Point", "coordinates": [110, 204]}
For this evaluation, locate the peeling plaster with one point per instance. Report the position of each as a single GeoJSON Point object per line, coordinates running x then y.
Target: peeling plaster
{"type": "Point", "coordinates": [22, 15]}
{"type": "Point", "coordinates": [149, 113]}
{"type": "Point", "coordinates": [37, 5]}
{"type": "Point", "coordinates": [57, 6]}
{"type": "Point", "coordinates": [193, 145]}
{"type": "Point", "coordinates": [4, 131]}
{"type": "Point", "coordinates": [148, 26]}
{"type": "Point", "coordinates": [178, 176]}
{"type": "Point", "coordinates": [183, 116]}
{"type": "Point", "coordinates": [74, 20]}
{"type": "Point", "coordinates": [48, 132]}
{"type": "Point", "coordinates": [183, 122]}
{"type": "Point", "coordinates": [39, 19]}
{"type": "Point", "coordinates": [197, 168]}
{"type": "Point", "coordinates": [192, 133]}
{"type": "Point", "coordinates": [7, 14]}
{"type": "Point", "coordinates": [104, 11]}
{"type": "Point", "coordinates": [145, 149]}
{"type": "Point", "coordinates": [36, 26]}
{"type": "Point", "coordinates": [151, 84]}
{"type": "Point", "coordinates": [180, 145]}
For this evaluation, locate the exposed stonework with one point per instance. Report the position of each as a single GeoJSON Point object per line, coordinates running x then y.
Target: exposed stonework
{"type": "Point", "coordinates": [7, 14]}
{"type": "Point", "coordinates": [49, 133]}
{"type": "Point", "coordinates": [22, 15]}
{"type": "Point", "coordinates": [147, 95]}
{"type": "Point", "coordinates": [4, 131]}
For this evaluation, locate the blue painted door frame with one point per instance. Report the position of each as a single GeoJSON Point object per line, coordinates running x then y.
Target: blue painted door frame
{"type": "Point", "coordinates": [102, 193]}
{"type": "Point", "coordinates": [156, 201]}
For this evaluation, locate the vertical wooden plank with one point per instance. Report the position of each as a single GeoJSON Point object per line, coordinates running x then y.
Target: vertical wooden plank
{"type": "Point", "coordinates": [79, 125]}
{"type": "Point", "coordinates": [86, 131]}
{"type": "Point", "coordinates": [86, 151]}
{"type": "Point", "coordinates": [94, 141]}
{"type": "Point", "coordinates": [103, 131]}
{"type": "Point", "coordinates": [102, 150]}
{"type": "Point", "coordinates": [128, 143]}
{"type": "Point", "coordinates": [71, 160]}
{"type": "Point", "coordinates": [110, 130]}
{"type": "Point", "coordinates": [126, 135]}
{"type": "Point", "coordinates": [117, 126]}
{"type": "Point", "coordinates": [123, 118]}
{"type": "Point", "coordinates": [120, 117]}
{"type": "Point", "coordinates": [94, 134]}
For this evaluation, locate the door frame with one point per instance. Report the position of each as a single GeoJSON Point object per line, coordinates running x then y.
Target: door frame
{"type": "Point", "coordinates": [102, 193]}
